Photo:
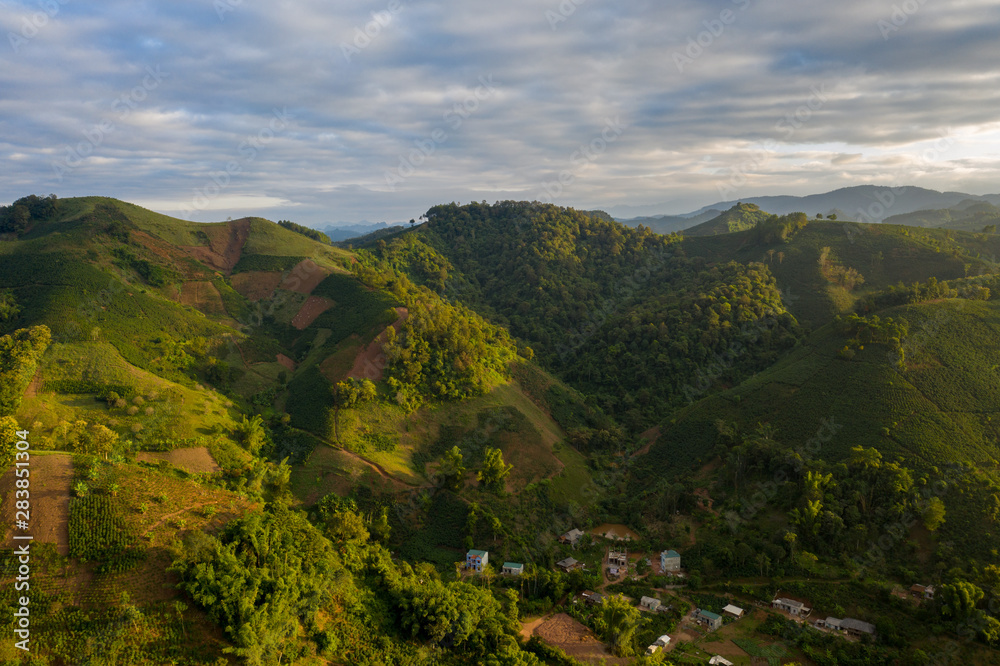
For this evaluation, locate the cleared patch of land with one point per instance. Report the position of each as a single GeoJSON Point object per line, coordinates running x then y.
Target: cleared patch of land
{"type": "Point", "coordinates": [304, 277]}
{"type": "Point", "coordinates": [312, 308]}
{"type": "Point", "coordinates": [576, 640]}
{"type": "Point", "coordinates": [51, 478]}
{"type": "Point", "coordinates": [225, 245]}
{"type": "Point", "coordinates": [202, 296]}
{"type": "Point", "coordinates": [194, 460]}
{"type": "Point", "coordinates": [256, 285]}
{"type": "Point", "coordinates": [370, 361]}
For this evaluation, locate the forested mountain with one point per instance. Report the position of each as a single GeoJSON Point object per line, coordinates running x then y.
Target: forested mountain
{"type": "Point", "coordinates": [270, 449]}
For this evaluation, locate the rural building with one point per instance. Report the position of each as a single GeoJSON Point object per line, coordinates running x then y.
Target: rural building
{"type": "Point", "coordinates": [720, 660]}
{"type": "Point", "coordinates": [476, 559]}
{"type": "Point", "coordinates": [594, 599]}
{"type": "Point", "coordinates": [617, 558]}
{"type": "Point", "coordinates": [652, 649]}
{"type": "Point", "coordinates": [568, 564]}
{"type": "Point", "coordinates": [733, 611]}
{"type": "Point", "coordinates": [662, 641]}
{"type": "Point", "coordinates": [830, 623]}
{"type": "Point", "coordinates": [512, 568]}
{"type": "Point", "coordinates": [670, 560]}
{"type": "Point", "coordinates": [712, 620]}
{"type": "Point", "coordinates": [922, 591]}
{"type": "Point", "coordinates": [651, 603]}
{"type": "Point", "coordinates": [857, 628]}
{"type": "Point", "coordinates": [572, 537]}
{"type": "Point", "coordinates": [791, 606]}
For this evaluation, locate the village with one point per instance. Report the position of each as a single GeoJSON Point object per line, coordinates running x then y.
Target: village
{"type": "Point", "coordinates": [697, 628]}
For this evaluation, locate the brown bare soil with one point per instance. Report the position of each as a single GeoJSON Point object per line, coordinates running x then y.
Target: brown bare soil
{"type": "Point", "coordinates": [614, 531]}
{"type": "Point", "coordinates": [370, 361]}
{"type": "Point", "coordinates": [180, 259]}
{"type": "Point", "coordinates": [312, 308]}
{"type": "Point", "coordinates": [563, 632]}
{"type": "Point", "coordinates": [225, 245]}
{"type": "Point", "coordinates": [256, 285]}
{"type": "Point", "coordinates": [202, 296]}
{"type": "Point", "coordinates": [285, 361]}
{"type": "Point", "coordinates": [193, 460]}
{"type": "Point", "coordinates": [304, 277]}
{"type": "Point", "coordinates": [51, 478]}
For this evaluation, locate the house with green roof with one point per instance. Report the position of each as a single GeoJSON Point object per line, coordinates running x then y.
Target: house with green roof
{"type": "Point", "coordinates": [476, 560]}
{"type": "Point", "coordinates": [512, 568]}
{"type": "Point", "coordinates": [712, 620]}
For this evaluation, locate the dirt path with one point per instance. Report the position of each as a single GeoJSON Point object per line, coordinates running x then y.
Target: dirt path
{"type": "Point", "coordinates": [51, 478]}
{"type": "Point", "coordinates": [167, 517]}
{"type": "Point", "coordinates": [35, 387]}
{"type": "Point", "coordinates": [370, 361]}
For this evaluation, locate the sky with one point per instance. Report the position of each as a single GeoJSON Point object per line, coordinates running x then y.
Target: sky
{"type": "Point", "coordinates": [323, 112]}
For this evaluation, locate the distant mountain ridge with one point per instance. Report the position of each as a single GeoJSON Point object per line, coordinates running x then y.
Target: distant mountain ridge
{"type": "Point", "coordinates": [861, 203]}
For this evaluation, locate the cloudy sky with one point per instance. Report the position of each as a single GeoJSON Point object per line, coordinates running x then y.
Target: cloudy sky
{"type": "Point", "coordinates": [322, 112]}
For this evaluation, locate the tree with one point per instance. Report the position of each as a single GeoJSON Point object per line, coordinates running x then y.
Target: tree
{"type": "Point", "coordinates": [9, 309]}
{"type": "Point", "coordinates": [251, 434]}
{"type": "Point", "coordinates": [959, 599]}
{"type": "Point", "coordinates": [8, 440]}
{"type": "Point", "coordinates": [617, 621]}
{"type": "Point", "coordinates": [451, 469]}
{"type": "Point", "coordinates": [933, 514]}
{"type": "Point", "coordinates": [494, 470]}
{"type": "Point", "coordinates": [347, 394]}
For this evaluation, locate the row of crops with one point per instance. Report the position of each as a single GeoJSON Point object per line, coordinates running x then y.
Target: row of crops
{"type": "Point", "coordinates": [99, 533]}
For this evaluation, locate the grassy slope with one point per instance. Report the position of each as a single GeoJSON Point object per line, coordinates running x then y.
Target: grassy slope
{"type": "Point", "coordinates": [939, 409]}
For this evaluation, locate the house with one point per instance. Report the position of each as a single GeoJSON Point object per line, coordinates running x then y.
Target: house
{"type": "Point", "coordinates": [720, 660]}
{"type": "Point", "coordinates": [568, 564]}
{"type": "Point", "coordinates": [595, 599]}
{"type": "Point", "coordinates": [651, 603]}
{"type": "Point", "coordinates": [476, 560]}
{"type": "Point", "coordinates": [662, 641]}
{"type": "Point", "coordinates": [617, 558]}
{"type": "Point", "coordinates": [572, 537]}
{"type": "Point", "coordinates": [512, 568]}
{"type": "Point", "coordinates": [652, 649]}
{"type": "Point", "coordinates": [857, 628]}
{"type": "Point", "coordinates": [830, 623]}
{"type": "Point", "coordinates": [922, 591]}
{"type": "Point", "coordinates": [670, 560]}
{"type": "Point", "coordinates": [712, 620]}
{"type": "Point", "coordinates": [791, 606]}
{"type": "Point", "coordinates": [733, 611]}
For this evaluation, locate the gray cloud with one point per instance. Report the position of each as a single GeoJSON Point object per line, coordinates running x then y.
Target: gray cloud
{"type": "Point", "coordinates": [797, 97]}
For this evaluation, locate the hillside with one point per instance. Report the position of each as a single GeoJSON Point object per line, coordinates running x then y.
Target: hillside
{"type": "Point", "coordinates": [967, 215]}
{"type": "Point", "coordinates": [740, 217]}
{"type": "Point", "coordinates": [243, 344]}
{"type": "Point", "coordinates": [668, 224]}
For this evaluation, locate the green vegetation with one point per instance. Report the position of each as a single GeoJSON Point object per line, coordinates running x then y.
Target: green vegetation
{"type": "Point", "coordinates": [99, 533]}
{"type": "Point", "coordinates": [19, 355]}
{"type": "Point", "coordinates": [738, 218]}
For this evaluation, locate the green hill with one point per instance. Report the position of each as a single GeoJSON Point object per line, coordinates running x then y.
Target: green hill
{"type": "Point", "coordinates": [969, 215]}
{"type": "Point", "coordinates": [738, 218]}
